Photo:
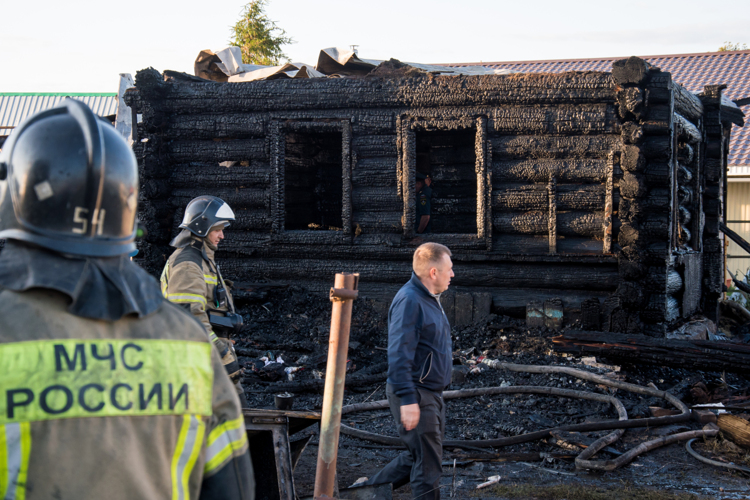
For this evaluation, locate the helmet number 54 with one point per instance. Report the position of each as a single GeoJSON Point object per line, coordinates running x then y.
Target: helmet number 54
{"type": "Point", "coordinates": [80, 217]}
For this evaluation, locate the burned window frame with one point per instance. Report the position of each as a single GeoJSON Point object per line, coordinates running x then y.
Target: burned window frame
{"type": "Point", "coordinates": [277, 134]}
{"type": "Point", "coordinates": [407, 127]}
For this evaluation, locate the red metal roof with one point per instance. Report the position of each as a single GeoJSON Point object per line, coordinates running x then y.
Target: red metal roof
{"type": "Point", "coordinates": [692, 71]}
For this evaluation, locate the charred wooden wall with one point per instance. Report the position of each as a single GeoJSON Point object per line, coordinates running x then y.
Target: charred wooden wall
{"type": "Point", "coordinates": [579, 185]}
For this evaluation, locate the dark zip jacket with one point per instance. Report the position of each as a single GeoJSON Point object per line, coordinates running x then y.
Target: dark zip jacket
{"type": "Point", "coordinates": [419, 342]}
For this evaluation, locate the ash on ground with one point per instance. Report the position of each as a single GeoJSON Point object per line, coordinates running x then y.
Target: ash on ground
{"type": "Point", "coordinates": [283, 348]}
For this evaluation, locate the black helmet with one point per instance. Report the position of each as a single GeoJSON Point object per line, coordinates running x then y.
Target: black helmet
{"type": "Point", "coordinates": [204, 212]}
{"type": "Point", "coordinates": [69, 183]}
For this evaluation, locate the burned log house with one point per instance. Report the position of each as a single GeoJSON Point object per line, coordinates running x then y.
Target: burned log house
{"type": "Point", "coordinates": [604, 190]}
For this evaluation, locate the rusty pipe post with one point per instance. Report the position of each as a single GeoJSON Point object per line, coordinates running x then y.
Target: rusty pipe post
{"type": "Point", "coordinates": [342, 296]}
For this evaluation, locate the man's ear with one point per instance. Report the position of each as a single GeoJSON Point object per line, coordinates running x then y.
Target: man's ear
{"type": "Point", "coordinates": [433, 272]}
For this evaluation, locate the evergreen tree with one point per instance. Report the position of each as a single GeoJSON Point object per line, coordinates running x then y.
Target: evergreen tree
{"type": "Point", "coordinates": [259, 37]}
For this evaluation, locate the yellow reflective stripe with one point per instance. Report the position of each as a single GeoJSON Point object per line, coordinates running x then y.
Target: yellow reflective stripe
{"type": "Point", "coordinates": [15, 449]}
{"type": "Point", "coordinates": [211, 280]}
{"type": "Point", "coordinates": [226, 440]}
{"type": "Point", "coordinates": [164, 279]}
{"type": "Point", "coordinates": [54, 379]}
{"type": "Point", "coordinates": [185, 455]}
{"type": "Point", "coordinates": [214, 338]}
{"type": "Point", "coordinates": [186, 297]}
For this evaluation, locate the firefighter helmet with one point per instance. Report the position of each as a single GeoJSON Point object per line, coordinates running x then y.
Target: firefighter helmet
{"type": "Point", "coordinates": [204, 212]}
{"type": "Point", "coordinates": [69, 183]}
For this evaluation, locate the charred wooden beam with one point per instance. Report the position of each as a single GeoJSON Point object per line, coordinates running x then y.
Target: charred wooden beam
{"type": "Point", "coordinates": [326, 93]}
{"type": "Point", "coordinates": [376, 172]}
{"type": "Point", "coordinates": [535, 197]}
{"type": "Point", "coordinates": [687, 130]}
{"type": "Point", "coordinates": [559, 119]}
{"type": "Point", "coordinates": [538, 147]}
{"type": "Point", "coordinates": [217, 151]}
{"type": "Point", "coordinates": [608, 204]}
{"type": "Point", "coordinates": [569, 170]}
{"type": "Point", "coordinates": [690, 354]}
{"type": "Point", "coordinates": [687, 104]}
{"type": "Point", "coordinates": [538, 222]}
{"type": "Point", "coordinates": [502, 275]}
{"type": "Point", "coordinates": [213, 175]}
{"type": "Point", "coordinates": [552, 214]}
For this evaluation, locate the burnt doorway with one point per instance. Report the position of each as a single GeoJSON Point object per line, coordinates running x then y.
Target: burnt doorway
{"type": "Point", "coordinates": [313, 181]}
{"type": "Point", "coordinates": [449, 159]}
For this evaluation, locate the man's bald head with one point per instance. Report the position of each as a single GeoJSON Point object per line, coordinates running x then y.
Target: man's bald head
{"type": "Point", "coordinates": [427, 256]}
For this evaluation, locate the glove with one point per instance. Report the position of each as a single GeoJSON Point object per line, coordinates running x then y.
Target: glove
{"type": "Point", "coordinates": [229, 359]}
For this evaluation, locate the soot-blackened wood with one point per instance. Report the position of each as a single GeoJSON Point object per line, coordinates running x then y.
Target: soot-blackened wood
{"type": "Point", "coordinates": [658, 280]}
{"type": "Point", "coordinates": [376, 199]}
{"type": "Point", "coordinates": [630, 71]}
{"type": "Point", "coordinates": [691, 354]}
{"type": "Point", "coordinates": [235, 197]}
{"type": "Point", "coordinates": [687, 130]}
{"type": "Point", "coordinates": [686, 103]}
{"type": "Point", "coordinates": [375, 172]}
{"type": "Point", "coordinates": [500, 275]}
{"type": "Point", "coordinates": [561, 119]}
{"type": "Point", "coordinates": [633, 186]}
{"type": "Point", "coordinates": [375, 146]}
{"type": "Point", "coordinates": [217, 151]}
{"type": "Point", "coordinates": [590, 314]}
{"type": "Point", "coordinates": [524, 244]}
{"type": "Point", "coordinates": [337, 93]}
{"type": "Point", "coordinates": [658, 174]}
{"type": "Point", "coordinates": [537, 222]}
{"type": "Point", "coordinates": [375, 222]}
{"type": "Point", "coordinates": [593, 146]}
{"type": "Point", "coordinates": [212, 126]}
{"type": "Point", "coordinates": [512, 302]}
{"type": "Point", "coordinates": [534, 197]}
{"type": "Point", "coordinates": [204, 175]}
{"type": "Point", "coordinates": [568, 170]}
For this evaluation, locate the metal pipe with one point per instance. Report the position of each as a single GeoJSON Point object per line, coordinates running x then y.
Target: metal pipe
{"type": "Point", "coordinates": [342, 296]}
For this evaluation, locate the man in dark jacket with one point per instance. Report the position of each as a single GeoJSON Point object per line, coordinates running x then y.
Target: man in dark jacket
{"type": "Point", "coordinates": [419, 369]}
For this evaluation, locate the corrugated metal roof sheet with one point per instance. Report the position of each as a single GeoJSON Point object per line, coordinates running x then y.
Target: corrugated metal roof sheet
{"type": "Point", "coordinates": [692, 71]}
{"type": "Point", "coordinates": [16, 107]}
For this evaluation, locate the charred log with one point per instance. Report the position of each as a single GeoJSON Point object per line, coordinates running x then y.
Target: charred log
{"type": "Point", "coordinates": [694, 354]}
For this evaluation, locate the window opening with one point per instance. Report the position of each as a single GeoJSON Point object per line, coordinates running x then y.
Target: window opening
{"type": "Point", "coordinates": [448, 160]}
{"type": "Point", "coordinates": [313, 181]}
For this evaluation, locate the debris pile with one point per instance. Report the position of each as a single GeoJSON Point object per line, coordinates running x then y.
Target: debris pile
{"type": "Point", "coordinates": [289, 328]}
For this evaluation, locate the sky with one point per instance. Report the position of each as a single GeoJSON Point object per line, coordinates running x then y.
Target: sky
{"type": "Point", "coordinates": [53, 46]}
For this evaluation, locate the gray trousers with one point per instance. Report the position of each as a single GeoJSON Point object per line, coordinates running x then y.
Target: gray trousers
{"type": "Point", "coordinates": [421, 465]}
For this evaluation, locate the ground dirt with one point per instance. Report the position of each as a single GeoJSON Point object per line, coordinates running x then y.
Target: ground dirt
{"type": "Point", "coordinates": [293, 324]}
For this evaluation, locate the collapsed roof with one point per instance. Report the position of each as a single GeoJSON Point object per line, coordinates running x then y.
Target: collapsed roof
{"type": "Point", "coordinates": [227, 66]}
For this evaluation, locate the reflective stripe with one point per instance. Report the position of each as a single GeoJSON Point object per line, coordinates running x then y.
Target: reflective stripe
{"type": "Point", "coordinates": [214, 338]}
{"type": "Point", "coordinates": [186, 297]}
{"type": "Point", "coordinates": [211, 280]}
{"type": "Point", "coordinates": [185, 455]}
{"type": "Point", "coordinates": [54, 379]}
{"type": "Point", "coordinates": [15, 448]}
{"type": "Point", "coordinates": [164, 279]}
{"type": "Point", "coordinates": [224, 442]}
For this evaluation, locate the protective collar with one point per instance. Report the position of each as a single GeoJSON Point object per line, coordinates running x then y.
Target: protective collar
{"type": "Point", "coordinates": [99, 288]}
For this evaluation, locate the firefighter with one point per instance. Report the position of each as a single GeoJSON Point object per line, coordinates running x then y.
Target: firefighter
{"type": "Point", "coordinates": [192, 279]}
{"type": "Point", "coordinates": [108, 390]}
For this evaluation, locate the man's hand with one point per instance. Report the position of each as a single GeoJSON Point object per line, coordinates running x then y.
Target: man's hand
{"type": "Point", "coordinates": [410, 416]}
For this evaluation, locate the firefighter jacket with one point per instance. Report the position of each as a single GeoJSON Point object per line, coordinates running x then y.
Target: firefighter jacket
{"type": "Point", "coordinates": [190, 279]}
{"type": "Point", "coordinates": [108, 390]}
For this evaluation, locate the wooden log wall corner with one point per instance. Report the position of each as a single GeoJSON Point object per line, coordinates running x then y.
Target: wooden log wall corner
{"type": "Point", "coordinates": [714, 187]}
{"type": "Point", "coordinates": [601, 189]}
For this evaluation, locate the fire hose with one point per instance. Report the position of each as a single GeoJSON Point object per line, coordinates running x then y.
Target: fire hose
{"type": "Point", "coordinates": [582, 461]}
